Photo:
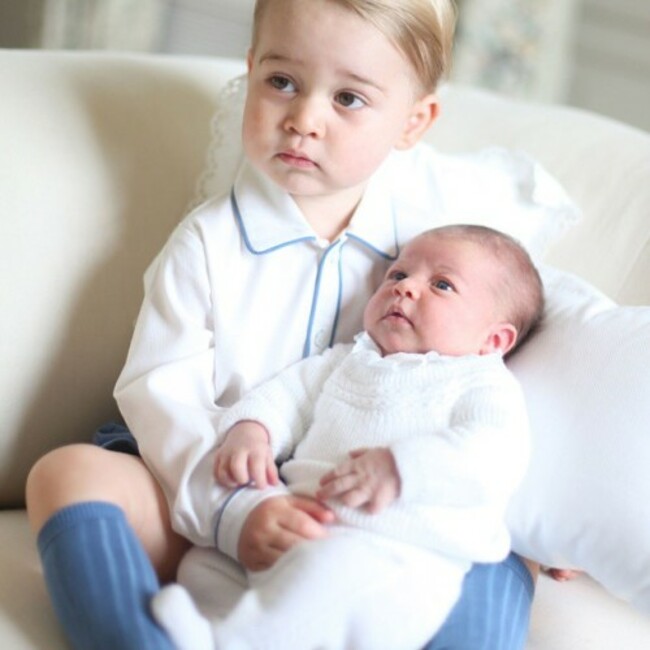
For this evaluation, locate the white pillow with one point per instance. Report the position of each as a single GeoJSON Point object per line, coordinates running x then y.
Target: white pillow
{"type": "Point", "coordinates": [585, 502]}
{"type": "Point", "coordinates": [496, 187]}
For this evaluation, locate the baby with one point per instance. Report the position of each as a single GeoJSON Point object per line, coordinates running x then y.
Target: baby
{"type": "Point", "coordinates": [416, 436]}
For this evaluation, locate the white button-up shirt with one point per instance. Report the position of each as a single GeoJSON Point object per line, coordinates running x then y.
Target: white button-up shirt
{"type": "Point", "coordinates": [244, 288]}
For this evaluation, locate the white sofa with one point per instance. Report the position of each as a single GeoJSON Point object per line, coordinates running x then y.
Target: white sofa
{"type": "Point", "coordinates": [99, 158]}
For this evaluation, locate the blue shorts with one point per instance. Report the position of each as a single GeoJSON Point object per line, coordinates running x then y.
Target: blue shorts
{"type": "Point", "coordinates": [116, 437]}
{"type": "Point", "coordinates": [493, 612]}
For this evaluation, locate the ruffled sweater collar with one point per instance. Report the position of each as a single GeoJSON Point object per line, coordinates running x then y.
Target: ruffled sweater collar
{"type": "Point", "coordinates": [432, 363]}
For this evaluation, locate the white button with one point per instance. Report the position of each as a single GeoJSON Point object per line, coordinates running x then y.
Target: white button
{"type": "Point", "coordinates": [320, 340]}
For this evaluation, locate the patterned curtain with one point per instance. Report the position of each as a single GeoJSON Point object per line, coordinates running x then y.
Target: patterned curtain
{"type": "Point", "coordinates": [521, 48]}
{"type": "Point", "coordinates": [102, 24]}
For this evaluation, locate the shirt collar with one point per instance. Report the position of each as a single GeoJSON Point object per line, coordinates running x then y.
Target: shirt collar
{"type": "Point", "coordinates": [270, 219]}
{"type": "Point", "coordinates": [374, 223]}
{"type": "Point", "coordinates": [399, 203]}
{"type": "Point", "coordinates": [267, 216]}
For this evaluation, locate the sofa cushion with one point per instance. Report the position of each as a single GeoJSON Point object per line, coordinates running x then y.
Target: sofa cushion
{"type": "Point", "coordinates": [27, 619]}
{"type": "Point", "coordinates": [585, 501]}
{"type": "Point", "coordinates": [603, 165]}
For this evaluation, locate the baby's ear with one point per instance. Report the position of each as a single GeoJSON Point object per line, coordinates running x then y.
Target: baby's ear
{"type": "Point", "coordinates": [422, 116]}
{"type": "Point", "coordinates": [501, 338]}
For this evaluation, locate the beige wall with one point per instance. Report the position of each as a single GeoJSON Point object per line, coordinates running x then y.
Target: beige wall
{"type": "Point", "coordinates": [611, 60]}
{"type": "Point", "coordinates": [83, 24]}
{"type": "Point", "coordinates": [20, 22]}
{"type": "Point", "coordinates": [604, 68]}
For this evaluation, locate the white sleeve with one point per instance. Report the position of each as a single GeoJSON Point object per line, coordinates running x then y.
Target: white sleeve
{"type": "Point", "coordinates": [166, 390]}
{"type": "Point", "coordinates": [285, 403]}
{"type": "Point", "coordinates": [285, 406]}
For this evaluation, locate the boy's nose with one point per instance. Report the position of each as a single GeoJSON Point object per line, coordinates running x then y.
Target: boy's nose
{"type": "Point", "coordinates": [306, 118]}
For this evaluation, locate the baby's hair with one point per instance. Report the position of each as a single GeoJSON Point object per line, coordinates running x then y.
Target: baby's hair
{"type": "Point", "coordinates": [423, 30]}
{"type": "Point", "coordinates": [521, 289]}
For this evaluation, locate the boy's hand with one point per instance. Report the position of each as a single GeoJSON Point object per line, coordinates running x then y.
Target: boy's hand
{"type": "Point", "coordinates": [245, 456]}
{"type": "Point", "coordinates": [276, 525]}
{"type": "Point", "coordinates": [369, 479]}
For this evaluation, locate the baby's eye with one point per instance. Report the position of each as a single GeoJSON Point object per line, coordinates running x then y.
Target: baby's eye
{"type": "Point", "coordinates": [396, 275]}
{"type": "Point", "coordinates": [443, 285]}
{"type": "Point", "coordinates": [280, 82]}
{"type": "Point", "coordinates": [350, 100]}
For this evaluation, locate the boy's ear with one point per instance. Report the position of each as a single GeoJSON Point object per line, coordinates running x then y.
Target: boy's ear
{"type": "Point", "coordinates": [501, 338]}
{"type": "Point", "coordinates": [249, 60]}
{"type": "Point", "coordinates": [424, 113]}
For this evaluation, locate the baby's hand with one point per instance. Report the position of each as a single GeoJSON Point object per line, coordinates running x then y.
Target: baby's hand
{"type": "Point", "coordinates": [278, 524]}
{"type": "Point", "coordinates": [245, 456]}
{"type": "Point", "coordinates": [369, 479]}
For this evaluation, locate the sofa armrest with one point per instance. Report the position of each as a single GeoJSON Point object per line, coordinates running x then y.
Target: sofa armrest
{"type": "Point", "coordinates": [99, 159]}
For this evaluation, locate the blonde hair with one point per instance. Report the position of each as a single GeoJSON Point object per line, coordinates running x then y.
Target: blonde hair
{"type": "Point", "coordinates": [520, 292]}
{"type": "Point", "coordinates": [423, 30]}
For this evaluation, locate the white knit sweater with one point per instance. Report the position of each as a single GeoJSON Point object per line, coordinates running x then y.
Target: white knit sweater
{"type": "Point", "coordinates": [457, 427]}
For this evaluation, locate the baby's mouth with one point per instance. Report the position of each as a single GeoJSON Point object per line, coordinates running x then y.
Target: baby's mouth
{"type": "Point", "coordinates": [396, 314]}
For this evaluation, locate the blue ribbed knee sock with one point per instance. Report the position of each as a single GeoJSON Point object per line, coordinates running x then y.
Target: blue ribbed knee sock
{"type": "Point", "coordinates": [99, 579]}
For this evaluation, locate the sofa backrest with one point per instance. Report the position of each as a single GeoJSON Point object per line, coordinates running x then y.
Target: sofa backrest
{"type": "Point", "coordinates": [604, 165]}
{"type": "Point", "coordinates": [99, 159]}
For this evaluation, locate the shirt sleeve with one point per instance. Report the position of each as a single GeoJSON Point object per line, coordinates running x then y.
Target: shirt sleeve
{"type": "Point", "coordinates": [169, 395]}
{"type": "Point", "coordinates": [166, 390]}
{"type": "Point", "coordinates": [285, 404]}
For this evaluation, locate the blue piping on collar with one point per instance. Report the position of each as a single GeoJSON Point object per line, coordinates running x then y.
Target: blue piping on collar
{"type": "Point", "coordinates": [312, 312]}
{"type": "Point", "coordinates": [244, 234]}
{"type": "Point", "coordinates": [367, 244]}
{"type": "Point", "coordinates": [363, 242]}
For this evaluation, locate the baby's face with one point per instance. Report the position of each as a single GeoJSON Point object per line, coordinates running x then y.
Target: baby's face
{"type": "Point", "coordinates": [440, 294]}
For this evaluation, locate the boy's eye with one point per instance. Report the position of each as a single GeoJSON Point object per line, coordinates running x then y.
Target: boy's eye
{"type": "Point", "coordinates": [282, 83]}
{"type": "Point", "coordinates": [397, 275]}
{"type": "Point", "coordinates": [350, 100]}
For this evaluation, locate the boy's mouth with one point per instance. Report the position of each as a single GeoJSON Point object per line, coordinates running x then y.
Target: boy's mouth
{"type": "Point", "coordinates": [296, 159]}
